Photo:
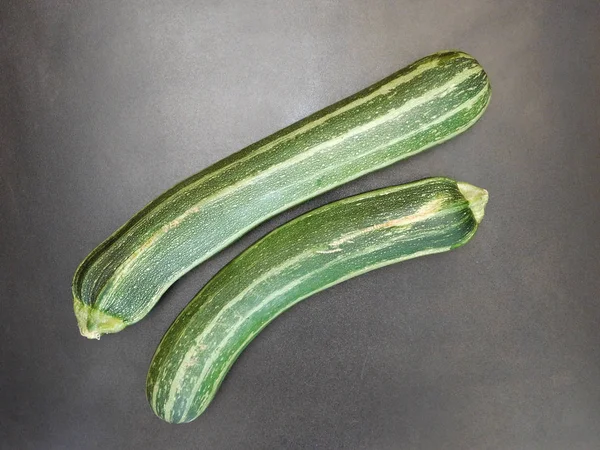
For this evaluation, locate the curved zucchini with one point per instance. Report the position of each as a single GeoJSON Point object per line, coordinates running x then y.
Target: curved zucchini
{"type": "Point", "coordinates": [312, 252]}
{"type": "Point", "coordinates": [420, 106]}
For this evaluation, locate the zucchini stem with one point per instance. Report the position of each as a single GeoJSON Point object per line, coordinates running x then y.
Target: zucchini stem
{"type": "Point", "coordinates": [477, 198]}
{"type": "Point", "coordinates": [94, 323]}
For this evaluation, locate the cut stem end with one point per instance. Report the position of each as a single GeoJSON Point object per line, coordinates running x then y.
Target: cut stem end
{"type": "Point", "coordinates": [477, 198]}
{"type": "Point", "coordinates": [94, 323]}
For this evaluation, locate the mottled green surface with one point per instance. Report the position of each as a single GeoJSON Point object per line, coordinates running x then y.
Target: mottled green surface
{"type": "Point", "coordinates": [420, 106]}
{"type": "Point", "coordinates": [312, 252]}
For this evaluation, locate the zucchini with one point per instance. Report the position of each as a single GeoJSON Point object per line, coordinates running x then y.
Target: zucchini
{"type": "Point", "coordinates": [312, 252]}
{"type": "Point", "coordinates": [420, 106]}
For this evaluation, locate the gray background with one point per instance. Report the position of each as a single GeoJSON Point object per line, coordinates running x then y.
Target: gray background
{"type": "Point", "coordinates": [104, 105]}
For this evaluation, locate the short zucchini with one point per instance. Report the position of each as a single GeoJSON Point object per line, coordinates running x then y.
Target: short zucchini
{"type": "Point", "coordinates": [422, 105]}
{"type": "Point", "coordinates": [312, 252]}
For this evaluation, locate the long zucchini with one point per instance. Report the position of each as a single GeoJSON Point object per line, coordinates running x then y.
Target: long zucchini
{"type": "Point", "coordinates": [312, 252]}
{"type": "Point", "coordinates": [422, 105]}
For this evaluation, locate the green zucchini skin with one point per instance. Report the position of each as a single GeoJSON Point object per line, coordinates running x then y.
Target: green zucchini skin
{"type": "Point", "coordinates": [312, 252]}
{"type": "Point", "coordinates": [420, 106]}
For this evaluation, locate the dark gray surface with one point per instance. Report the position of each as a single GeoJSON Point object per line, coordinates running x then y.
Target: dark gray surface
{"type": "Point", "coordinates": [103, 105]}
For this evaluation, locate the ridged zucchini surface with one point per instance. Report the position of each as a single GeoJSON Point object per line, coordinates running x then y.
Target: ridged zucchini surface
{"type": "Point", "coordinates": [312, 252]}
{"type": "Point", "coordinates": [422, 105]}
